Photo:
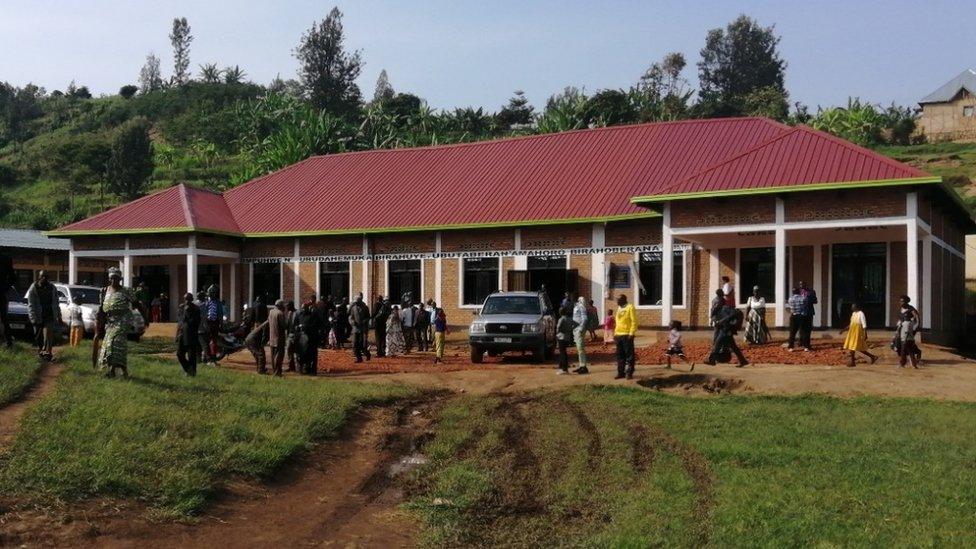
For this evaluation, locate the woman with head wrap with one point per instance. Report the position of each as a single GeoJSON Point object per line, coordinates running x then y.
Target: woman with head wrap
{"type": "Point", "coordinates": [756, 330]}
{"type": "Point", "coordinates": [117, 303]}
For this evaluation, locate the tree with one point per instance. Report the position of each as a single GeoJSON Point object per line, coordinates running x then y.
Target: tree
{"type": "Point", "coordinates": [234, 75]}
{"type": "Point", "coordinates": [735, 62]}
{"type": "Point", "coordinates": [517, 111]}
{"type": "Point", "coordinates": [180, 38]}
{"type": "Point", "coordinates": [150, 78]}
{"type": "Point", "coordinates": [130, 164]}
{"type": "Point", "coordinates": [75, 92]}
{"type": "Point", "coordinates": [328, 73]}
{"type": "Point", "coordinates": [384, 91]}
{"type": "Point", "coordinates": [610, 108]}
{"type": "Point", "coordinates": [564, 111]}
{"type": "Point", "coordinates": [767, 101]}
{"type": "Point", "coordinates": [210, 73]}
{"type": "Point", "coordinates": [290, 87]}
{"type": "Point", "coordinates": [128, 91]}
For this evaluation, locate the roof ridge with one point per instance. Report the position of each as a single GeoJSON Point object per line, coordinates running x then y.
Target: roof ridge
{"type": "Point", "coordinates": [187, 211]}
{"type": "Point", "coordinates": [734, 157]}
{"type": "Point", "coordinates": [112, 209]}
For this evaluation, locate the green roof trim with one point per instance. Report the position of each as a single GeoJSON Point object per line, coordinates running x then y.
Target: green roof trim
{"type": "Point", "coordinates": [501, 224]}
{"type": "Point", "coordinates": [837, 185]}
{"type": "Point", "coordinates": [121, 232]}
{"type": "Point", "coordinates": [364, 230]}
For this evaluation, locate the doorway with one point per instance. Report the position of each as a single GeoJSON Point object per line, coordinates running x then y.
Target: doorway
{"type": "Point", "coordinates": [405, 277]}
{"type": "Point", "coordinates": [551, 273]}
{"type": "Point", "coordinates": [859, 273]}
{"type": "Point", "coordinates": [156, 278]}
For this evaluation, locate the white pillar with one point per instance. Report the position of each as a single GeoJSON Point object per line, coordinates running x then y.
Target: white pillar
{"type": "Point", "coordinates": [438, 271]}
{"type": "Point", "coordinates": [366, 270]}
{"type": "Point", "coordinates": [780, 277]}
{"type": "Point", "coordinates": [297, 265]}
{"type": "Point", "coordinates": [191, 272]}
{"type": "Point", "coordinates": [318, 279]}
{"type": "Point", "coordinates": [779, 272]}
{"type": "Point", "coordinates": [127, 270]}
{"type": "Point", "coordinates": [911, 253]}
{"type": "Point", "coordinates": [521, 262]}
{"type": "Point", "coordinates": [818, 285]}
{"type": "Point", "coordinates": [598, 269]}
{"type": "Point", "coordinates": [234, 306]}
{"type": "Point", "coordinates": [667, 268]}
{"type": "Point", "coordinates": [72, 266]}
{"type": "Point", "coordinates": [911, 248]}
{"type": "Point", "coordinates": [713, 270]}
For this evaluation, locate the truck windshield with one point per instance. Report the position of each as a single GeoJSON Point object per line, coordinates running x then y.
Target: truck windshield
{"type": "Point", "coordinates": [512, 305]}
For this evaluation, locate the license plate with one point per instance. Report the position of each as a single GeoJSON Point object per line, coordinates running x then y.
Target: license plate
{"type": "Point", "coordinates": [17, 326]}
{"type": "Point", "coordinates": [503, 340]}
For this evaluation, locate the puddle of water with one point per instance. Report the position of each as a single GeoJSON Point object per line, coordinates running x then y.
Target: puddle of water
{"type": "Point", "coordinates": [407, 464]}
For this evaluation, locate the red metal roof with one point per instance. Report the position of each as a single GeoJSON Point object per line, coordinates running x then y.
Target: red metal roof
{"type": "Point", "coordinates": [180, 207]}
{"type": "Point", "coordinates": [565, 177]}
{"type": "Point", "coordinates": [795, 158]}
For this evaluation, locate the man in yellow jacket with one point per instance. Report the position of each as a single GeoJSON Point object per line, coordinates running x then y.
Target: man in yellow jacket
{"type": "Point", "coordinates": [623, 336]}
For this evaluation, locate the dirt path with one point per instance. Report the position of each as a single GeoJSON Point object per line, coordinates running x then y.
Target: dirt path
{"type": "Point", "coordinates": [344, 493]}
{"type": "Point", "coordinates": [10, 414]}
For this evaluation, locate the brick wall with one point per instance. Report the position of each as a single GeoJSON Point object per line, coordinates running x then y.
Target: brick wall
{"type": "Point", "coordinates": [269, 247]}
{"type": "Point", "coordinates": [218, 242]}
{"type": "Point", "coordinates": [411, 242]}
{"type": "Point", "coordinates": [98, 242]}
{"type": "Point", "coordinates": [583, 265]}
{"type": "Point", "coordinates": [162, 240]}
{"type": "Point", "coordinates": [308, 272]}
{"type": "Point", "coordinates": [449, 294]}
{"type": "Point", "coordinates": [331, 245]}
{"type": "Point", "coordinates": [356, 277]}
{"type": "Point", "coordinates": [478, 240]}
{"type": "Point", "coordinates": [634, 233]}
{"type": "Point", "coordinates": [856, 204]}
{"type": "Point", "coordinates": [556, 236]}
{"type": "Point", "coordinates": [430, 280]}
{"type": "Point", "coordinates": [802, 265]}
{"type": "Point", "coordinates": [288, 281]}
{"type": "Point", "coordinates": [723, 211]}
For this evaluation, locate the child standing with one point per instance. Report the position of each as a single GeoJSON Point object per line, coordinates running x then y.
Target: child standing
{"type": "Point", "coordinates": [609, 324]}
{"type": "Point", "coordinates": [333, 339]}
{"type": "Point", "coordinates": [564, 336]}
{"type": "Point", "coordinates": [440, 332]}
{"type": "Point", "coordinates": [675, 346]}
{"type": "Point", "coordinates": [76, 322]}
{"type": "Point", "coordinates": [857, 335]}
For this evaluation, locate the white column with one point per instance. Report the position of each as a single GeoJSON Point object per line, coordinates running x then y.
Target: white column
{"type": "Point", "coordinates": [818, 285]}
{"type": "Point", "coordinates": [779, 272]}
{"type": "Point", "coordinates": [366, 270]}
{"type": "Point", "coordinates": [667, 268]}
{"type": "Point", "coordinates": [911, 248]}
{"type": "Point", "coordinates": [233, 292]}
{"type": "Point", "coordinates": [598, 269]}
{"type": "Point", "coordinates": [72, 266]}
{"type": "Point", "coordinates": [521, 262]}
{"type": "Point", "coordinates": [438, 297]}
{"type": "Point", "coordinates": [318, 279]}
{"type": "Point", "coordinates": [127, 266]}
{"type": "Point", "coordinates": [192, 261]}
{"type": "Point", "coordinates": [297, 265]}
{"type": "Point", "coordinates": [713, 270]}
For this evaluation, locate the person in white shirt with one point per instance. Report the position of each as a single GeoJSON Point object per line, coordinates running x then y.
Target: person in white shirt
{"type": "Point", "coordinates": [728, 290]}
{"type": "Point", "coordinates": [757, 332]}
{"type": "Point", "coordinates": [76, 321]}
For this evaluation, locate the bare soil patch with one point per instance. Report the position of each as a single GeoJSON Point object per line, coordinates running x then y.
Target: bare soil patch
{"type": "Point", "coordinates": [343, 493]}
{"type": "Point", "coordinates": [10, 414]}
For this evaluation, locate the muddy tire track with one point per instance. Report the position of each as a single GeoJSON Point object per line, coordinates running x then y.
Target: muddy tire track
{"type": "Point", "coordinates": [642, 454]}
{"type": "Point", "coordinates": [524, 498]}
{"type": "Point", "coordinates": [594, 444]}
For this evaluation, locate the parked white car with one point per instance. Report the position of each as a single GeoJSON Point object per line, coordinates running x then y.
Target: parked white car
{"type": "Point", "coordinates": [89, 297]}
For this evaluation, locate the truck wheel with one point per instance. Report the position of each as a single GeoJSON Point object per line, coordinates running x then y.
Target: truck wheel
{"type": "Point", "coordinates": [476, 354]}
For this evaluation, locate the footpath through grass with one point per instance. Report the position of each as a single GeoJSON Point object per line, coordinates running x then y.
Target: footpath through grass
{"type": "Point", "coordinates": [598, 467]}
{"type": "Point", "coordinates": [167, 439]}
{"type": "Point", "coordinates": [19, 368]}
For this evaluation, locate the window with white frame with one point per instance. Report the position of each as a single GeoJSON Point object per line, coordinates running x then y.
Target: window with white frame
{"type": "Point", "coordinates": [649, 266]}
{"type": "Point", "coordinates": [968, 111]}
{"type": "Point", "coordinates": [479, 279]}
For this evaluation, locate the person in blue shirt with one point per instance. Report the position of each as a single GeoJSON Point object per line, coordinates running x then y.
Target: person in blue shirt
{"type": "Point", "coordinates": [214, 315]}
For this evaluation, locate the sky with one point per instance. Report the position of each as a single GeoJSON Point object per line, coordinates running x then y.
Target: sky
{"type": "Point", "coordinates": [466, 53]}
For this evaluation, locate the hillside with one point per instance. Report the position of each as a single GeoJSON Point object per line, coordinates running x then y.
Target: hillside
{"type": "Point", "coordinates": [955, 162]}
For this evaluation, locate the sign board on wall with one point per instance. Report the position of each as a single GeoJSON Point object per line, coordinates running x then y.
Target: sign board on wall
{"type": "Point", "coordinates": [619, 276]}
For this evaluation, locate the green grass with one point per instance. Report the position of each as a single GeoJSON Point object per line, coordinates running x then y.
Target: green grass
{"type": "Point", "coordinates": [955, 162]}
{"type": "Point", "coordinates": [599, 467]}
{"type": "Point", "coordinates": [166, 439]}
{"type": "Point", "coordinates": [19, 369]}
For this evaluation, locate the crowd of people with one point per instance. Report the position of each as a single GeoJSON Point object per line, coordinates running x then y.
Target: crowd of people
{"type": "Point", "coordinates": [397, 329]}
{"type": "Point", "coordinates": [388, 329]}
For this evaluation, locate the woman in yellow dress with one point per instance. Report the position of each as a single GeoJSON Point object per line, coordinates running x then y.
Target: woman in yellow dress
{"type": "Point", "coordinates": [857, 335]}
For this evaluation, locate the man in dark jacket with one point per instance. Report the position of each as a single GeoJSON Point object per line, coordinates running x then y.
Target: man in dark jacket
{"type": "Point", "coordinates": [359, 321]}
{"type": "Point", "coordinates": [728, 321]}
{"type": "Point", "coordinates": [44, 313]}
{"type": "Point", "coordinates": [8, 283]}
{"type": "Point", "coordinates": [381, 312]}
{"type": "Point", "coordinates": [308, 330]}
{"type": "Point", "coordinates": [187, 342]}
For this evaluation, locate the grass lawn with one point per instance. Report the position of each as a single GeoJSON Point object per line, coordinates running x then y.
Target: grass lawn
{"type": "Point", "coordinates": [19, 368]}
{"type": "Point", "coordinates": [626, 468]}
{"type": "Point", "coordinates": [167, 439]}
